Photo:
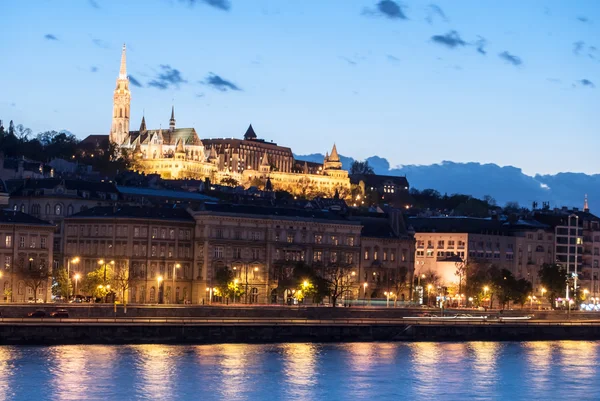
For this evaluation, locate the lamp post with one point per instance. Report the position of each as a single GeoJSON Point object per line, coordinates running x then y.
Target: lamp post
{"type": "Point", "coordinates": [159, 280]}
{"type": "Point", "coordinates": [30, 263]}
{"type": "Point", "coordinates": [485, 290]}
{"type": "Point", "coordinates": [365, 285]}
{"type": "Point", "coordinates": [75, 260]}
{"type": "Point", "coordinates": [388, 295]}
{"type": "Point", "coordinates": [172, 295]}
{"type": "Point", "coordinates": [585, 294]}
{"type": "Point", "coordinates": [429, 286]}
{"type": "Point", "coordinates": [76, 277]}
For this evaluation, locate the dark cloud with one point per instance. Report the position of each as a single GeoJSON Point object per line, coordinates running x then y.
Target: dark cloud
{"type": "Point", "coordinates": [94, 68]}
{"type": "Point", "coordinates": [387, 8]}
{"type": "Point", "coordinates": [347, 60]}
{"type": "Point", "coordinates": [510, 58]}
{"type": "Point", "coordinates": [94, 4]}
{"type": "Point", "coordinates": [433, 10]}
{"type": "Point", "coordinates": [452, 39]}
{"type": "Point", "coordinates": [220, 84]}
{"type": "Point", "coordinates": [583, 19]}
{"type": "Point", "coordinates": [392, 58]}
{"type": "Point", "coordinates": [169, 77]}
{"type": "Point", "coordinates": [135, 82]}
{"type": "Point", "coordinates": [587, 82]}
{"type": "Point", "coordinates": [100, 43]}
{"type": "Point", "coordinates": [480, 44]}
{"type": "Point", "coordinates": [199, 94]}
{"type": "Point", "coordinates": [50, 36]}
{"type": "Point", "coordinates": [13, 104]}
{"type": "Point", "coordinates": [224, 5]}
{"type": "Point", "coordinates": [578, 46]}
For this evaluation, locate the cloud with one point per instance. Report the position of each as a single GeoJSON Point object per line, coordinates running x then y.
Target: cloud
{"type": "Point", "coordinates": [387, 8]}
{"type": "Point", "coordinates": [94, 4]}
{"type": "Point", "coordinates": [578, 46]}
{"type": "Point", "coordinates": [220, 84]}
{"type": "Point", "coordinates": [587, 82]}
{"type": "Point", "coordinates": [169, 77]}
{"type": "Point", "coordinates": [481, 43]}
{"type": "Point", "coordinates": [583, 19]}
{"type": "Point", "coordinates": [100, 43]}
{"type": "Point", "coordinates": [347, 60]}
{"type": "Point", "coordinates": [94, 68]}
{"type": "Point", "coordinates": [554, 80]}
{"type": "Point", "coordinates": [13, 104]}
{"type": "Point", "coordinates": [50, 36]}
{"type": "Point", "coordinates": [451, 39]}
{"type": "Point", "coordinates": [199, 94]}
{"type": "Point", "coordinates": [224, 5]}
{"type": "Point", "coordinates": [135, 82]}
{"type": "Point", "coordinates": [510, 58]}
{"type": "Point", "coordinates": [433, 11]}
{"type": "Point", "coordinates": [392, 58]}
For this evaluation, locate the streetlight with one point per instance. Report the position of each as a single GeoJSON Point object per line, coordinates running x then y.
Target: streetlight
{"type": "Point", "coordinates": [235, 281]}
{"type": "Point", "coordinates": [585, 293]}
{"type": "Point", "coordinates": [365, 285]}
{"type": "Point", "coordinates": [388, 295]}
{"type": "Point", "coordinates": [76, 277]}
{"type": "Point", "coordinates": [485, 290]}
{"type": "Point", "coordinates": [429, 286]}
{"type": "Point", "coordinates": [175, 266]}
{"type": "Point", "coordinates": [159, 279]}
{"type": "Point", "coordinates": [75, 260]}
{"type": "Point", "coordinates": [30, 262]}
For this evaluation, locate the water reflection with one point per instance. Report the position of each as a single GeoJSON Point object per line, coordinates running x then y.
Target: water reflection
{"type": "Point", "coordinates": [156, 367]}
{"type": "Point", "coordinates": [6, 371]}
{"type": "Point", "coordinates": [234, 362]}
{"type": "Point", "coordinates": [79, 370]}
{"type": "Point", "coordinates": [299, 369]}
{"type": "Point", "coordinates": [539, 356]}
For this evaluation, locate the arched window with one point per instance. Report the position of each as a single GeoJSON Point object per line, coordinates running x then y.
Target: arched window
{"type": "Point", "coordinates": [539, 248]}
{"type": "Point", "coordinates": [121, 112]}
{"type": "Point", "coordinates": [185, 294]}
{"type": "Point", "coordinates": [21, 288]}
{"type": "Point", "coordinates": [48, 208]}
{"type": "Point", "coordinates": [254, 295]}
{"type": "Point", "coordinates": [22, 208]}
{"type": "Point", "coordinates": [133, 294]}
{"type": "Point", "coordinates": [58, 209]}
{"type": "Point", "coordinates": [69, 210]}
{"type": "Point", "coordinates": [152, 294]}
{"type": "Point", "coordinates": [177, 298]}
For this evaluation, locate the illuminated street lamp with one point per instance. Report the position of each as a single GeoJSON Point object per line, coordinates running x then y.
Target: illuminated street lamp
{"type": "Point", "coordinates": [585, 293]}
{"type": "Point", "coordinates": [159, 280]}
{"type": "Point", "coordinates": [485, 290]}
{"type": "Point", "coordinates": [75, 260]}
{"type": "Point", "coordinates": [171, 295]}
{"type": "Point", "coordinates": [429, 287]}
{"type": "Point", "coordinates": [76, 277]}
{"type": "Point", "coordinates": [388, 295]}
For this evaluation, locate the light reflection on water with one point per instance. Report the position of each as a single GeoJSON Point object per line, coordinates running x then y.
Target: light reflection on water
{"type": "Point", "coordinates": [358, 371]}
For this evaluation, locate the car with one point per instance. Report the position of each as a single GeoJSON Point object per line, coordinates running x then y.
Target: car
{"type": "Point", "coordinates": [60, 313]}
{"type": "Point", "coordinates": [33, 301]}
{"type": "Point", "coordinates": [463, 316]}
{"type": "Point", "coordinates": [428, 315]}
{"type": "Point", "coordinates": [37, 313]}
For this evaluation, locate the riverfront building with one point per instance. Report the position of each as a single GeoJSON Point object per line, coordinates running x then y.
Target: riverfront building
{"type": "Point", "coordinates": [26, 256]}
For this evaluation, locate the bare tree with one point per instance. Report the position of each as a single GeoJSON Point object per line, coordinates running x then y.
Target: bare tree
{"type": "Point", "coordinates": [35, 276]}
{"type": "Point", "coordinates": [339, 280]}
{"type": "Point", "coordinates": [122, 281]}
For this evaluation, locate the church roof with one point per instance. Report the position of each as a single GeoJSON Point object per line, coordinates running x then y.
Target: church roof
{"type": "Point", "coordinates": [170, 137]}
{"type": "Point", "coordinates": [265, 160]}
{"type": "Point", "coordinates": [334, 157]}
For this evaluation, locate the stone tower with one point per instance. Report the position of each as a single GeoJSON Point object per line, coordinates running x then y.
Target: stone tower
{"type": "Point", "coordinates": [121, 100]}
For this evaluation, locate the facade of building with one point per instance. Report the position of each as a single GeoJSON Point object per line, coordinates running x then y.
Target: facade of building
{"type": "Point", "coordinates": [153, 245]}
{"type": "Point", "coordinates": [386, 257]}
{"type": "Point", "coordinates": [179, 153]}
{"type": "Point", "coordinates": [444, 244]}
{"type": "Point", "coordinates": [260, 245]}
{"type": "Point", "coordinates": [26, 254]}
{"type": "Point", "coordinates": [52, 199]}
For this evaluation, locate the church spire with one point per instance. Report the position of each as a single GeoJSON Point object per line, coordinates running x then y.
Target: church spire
{"type": "Point", "coordinates": [172, 120]}
{"type": "Point", "coordinates": [143, 124]}
{"type": "Point", "coordinates": [334, 157]}
{"type": "Point", "coordinates": [586, 207]}
{"type": "Point", "coordinates": [123, 70]}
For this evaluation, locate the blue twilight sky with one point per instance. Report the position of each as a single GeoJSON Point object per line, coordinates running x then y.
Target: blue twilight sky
{"type": "Point", "coordinates": [511, 82]}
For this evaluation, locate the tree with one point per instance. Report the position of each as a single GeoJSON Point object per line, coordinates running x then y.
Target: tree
{"type": "Point", "coordinates": [122, 281]}
{"type": "Point", "coordinates": [97, 283]}
{"type": "Point", "coordinates": [257, 182]}
{"type": "Point", "coordinates": [11, 128]}
{"type": "Point", "coordinates": [554, 279]}
{"type": "Point", "coordinates": [61, 284]}
{"type": "Point", "coordinates": [230, 182]}
{"type": "Point", "coordinates": [523, 290]}
{"type": "Point", "coordinates": [36, 277]}
{"type": "Point", "coordinates": [338, 280]}
{"type": "Point", "coordinates": [400, 282]}
{"type": "Point", "coordinates": [361, 167]}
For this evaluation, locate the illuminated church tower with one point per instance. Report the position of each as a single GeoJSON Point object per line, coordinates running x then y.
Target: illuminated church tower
{"type": "Point", "coordinates": [122, 98]}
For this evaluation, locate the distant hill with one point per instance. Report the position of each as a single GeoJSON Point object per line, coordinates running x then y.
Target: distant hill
{"type": "Point", "coordinates": [505, 184]}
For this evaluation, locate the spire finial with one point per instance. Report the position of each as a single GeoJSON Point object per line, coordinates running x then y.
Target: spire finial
{"type": "Point", "coordinates": [172, 120]}
{"type": "Point", "coordinates": [586, 207]}
{"type": "Point", "coordinates": [123, 70]}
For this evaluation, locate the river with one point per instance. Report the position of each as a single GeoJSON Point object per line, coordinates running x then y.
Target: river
{"type": "Point", "coordinates": [352, 371]}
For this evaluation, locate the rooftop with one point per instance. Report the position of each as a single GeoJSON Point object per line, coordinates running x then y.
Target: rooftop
{"type": "Point", "coordinates": [8, 216]}
{"type": "Point", "coordinates": [137, 212]}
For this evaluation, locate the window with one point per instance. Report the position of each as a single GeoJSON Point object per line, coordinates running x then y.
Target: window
{"type": "Point", "coordinates": [163, 233]}
{"type": "Point", "coordinates": [153, 250]}
{"type": "Point", "coordinates": [188, 234]}
{"type": "Point", "coordinates": [318, 238]}
{"type": "Point", "coordinates": [22, 242]}
{"type": "Point", "coordinates": [290, 238]}
{"type": "Point", "coordinates": [255, 253]}
{"type": "Point", "coordinates": [218, 252]}
{"type": "Point", "coordinates": [375, 254]}
{"type": "Point", "coordinates": [43, 242]}
{"type": "Point", "coordinates": [58, 209]}
{"type": "Point", "coordinates": [317, 256]}
{"type": "Point", "coordinates": [461, 244]}
{"type": "Point", "coordinates": [367, 254]}
{"type": "Point", "coordinates": [32, 242]}
{"type": "Point", "coordinates": [349, 258]}
{"type": "Point", "coordinates": [237, 234]}
{"type": "Point", "coordinates": [136, 250]}
{"type": "Point", "coordinates": [237, 253]}
{"type": "Point", "coordinates": [385, 254]}
{"type": "Point", "coordinates": [218, 233]}
{"type": "Point", "coordinates": [333, 257]}
{"type": "Point", "coordinates": [429, 253]}
{"type": "Point", "coordinates": [8, 241]}
{"type": "Point", "coordinates": [509, 256]}
{"type": "Point", "coordinates": [7, 262]}
{"type": "Point", "coordinates": [276, 236]}
{"type": "Point", "coordinates": [334, 240]}
{"type": "Point", "coordinates": [420, 253]}
{"type": "Point", "coordinates": [420, 244]}
{"type": "Point", "coordinates": [450, 244]}
{"type": "Point", "coordinates": [429, 244]}
{"type": "Point", "coordinates": [440, 244]}
{"type": "Point", "coordinates": [136, 231]}
{"type": "Point", "coordinates": [350, 241]}
{"type": "Point", "coordinates": [154, 232]}
{"type": "Point", "coordinates": [171, 233]}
